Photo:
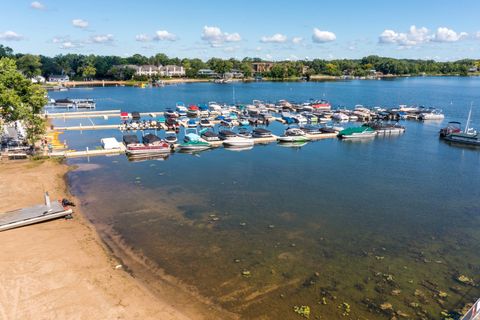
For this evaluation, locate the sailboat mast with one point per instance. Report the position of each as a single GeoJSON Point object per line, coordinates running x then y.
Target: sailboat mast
{"type": "Point", "coordinates": [467, 126]}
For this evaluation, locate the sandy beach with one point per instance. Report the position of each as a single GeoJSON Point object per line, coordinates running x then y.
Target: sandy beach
{"type": "Point", "coordinates": [62, 270]}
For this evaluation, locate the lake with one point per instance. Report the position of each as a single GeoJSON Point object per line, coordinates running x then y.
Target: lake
{"type": "Point", "coordinates": [360, 230]}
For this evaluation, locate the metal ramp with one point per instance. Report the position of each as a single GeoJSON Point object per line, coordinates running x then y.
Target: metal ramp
{"type": "Point", "coordinates": [35, 214]}
{"type": "Point", "coordinates": [473, 313]}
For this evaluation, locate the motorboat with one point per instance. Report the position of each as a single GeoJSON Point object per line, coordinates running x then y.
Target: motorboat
{"type": "Point", "coordinates": [293, 135]}
{"type": "Point", "coordinates": [243, 121]}
{"type": "Point", "coordinates": [193, 111]}
{"type": "Point", "coordinates": [340, 117]}
{"type": "Point", "coordinates": [433, 115]}
{"type": "Point", "coordinates": [170, 113]}
{"type": "Point", "coordinates": [181, 109]}
{"type": "Point", "coordinates": [469, 136]}
{"type": "Point", "coordinates": [209, 135]}
{"type": "Point", "coordinates": [452, 127]}
{"type": "Point", "coordinates": [171, 137]}
{"type": "Point", "coordinates": [386, 128]}
{"type": "Point", "coordinates": [261, 133]}
{"type": "Point", "coordinates": [227, 123]}
{"type": "Point", "coordinates": [238, 142]}
{"type": "Point", "coordinates": [195, 145]}
{"type": "Point", "coordinates": [311, 130]}
{"type": "Point", "coordinates": [192, 123]}
{"type": "Point", "coordinates": [205, 123]}
{"type": "Point", "coordinates": [151, 144]}
{"type": "Point", "coordinates": [244, 133]}
{"type": "Point", "coordinates": [357, 133]}
{"type": "Point", "coordinates": [226, 134]}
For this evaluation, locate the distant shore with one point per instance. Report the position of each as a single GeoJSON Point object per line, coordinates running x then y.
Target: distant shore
{"type": "Point", "coordinates": [131, 83]}
{"type": "Point", "coordinates": [62, 269]}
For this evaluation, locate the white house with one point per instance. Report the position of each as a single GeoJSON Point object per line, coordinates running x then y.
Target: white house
{"type": "Point", "coordinates": [147, 70]}
{"type": "Point", "coordinates": [38, 79]}
{"type": "Point", "coordinates": [58, 78]}
{"type": "Point", "coordinates": [172, 71]}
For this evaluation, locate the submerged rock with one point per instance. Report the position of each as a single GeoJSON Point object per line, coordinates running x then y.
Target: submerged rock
{"type": "Point", "coordinates": [386, 306]}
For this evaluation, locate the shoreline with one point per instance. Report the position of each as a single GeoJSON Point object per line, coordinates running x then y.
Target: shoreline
{"type": "Point", "coordinates": [314, 78]}
{"type": "Point", "coordinates": [66, 269]}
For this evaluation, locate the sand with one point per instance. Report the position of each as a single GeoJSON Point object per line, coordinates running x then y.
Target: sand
{"type": "Point", "coordinates": [61, 269]}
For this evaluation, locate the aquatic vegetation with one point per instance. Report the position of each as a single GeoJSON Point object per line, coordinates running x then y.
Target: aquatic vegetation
{"type": "Point", "coordinates": [304, 311]}
{"type": "Point", "coordinates": [344, 308]}
{"type": "Point", "coordinates": [246, 273]}
{"type": "Point", "coordinates": [465, 280]}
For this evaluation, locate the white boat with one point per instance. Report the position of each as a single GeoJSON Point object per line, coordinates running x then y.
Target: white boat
{"type": "Point", "coordinates": [293, 135]}
{"type": "Point", "coordinates": [340, 116]}
{"type": "Point", "coordinates": [435, 115]}
{"type": "Point", "coordinates": [238, 142]}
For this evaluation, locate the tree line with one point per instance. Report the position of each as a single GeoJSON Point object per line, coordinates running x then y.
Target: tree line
{"type": "Point", "coordinates": [79, 66]}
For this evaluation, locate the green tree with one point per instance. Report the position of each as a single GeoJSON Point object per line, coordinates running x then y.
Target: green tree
{"type": "Point", "coordinates": [20, 99]}
{"type": "Point", "coordinates": [5, 51]}
{"type": "Point", "coordinates": [88, 71]}
{"type": "Point", "coordinates": [29, 65]}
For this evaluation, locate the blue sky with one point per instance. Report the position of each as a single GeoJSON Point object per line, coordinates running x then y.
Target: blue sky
{"type": "Point", "coordinates": [276, 30]}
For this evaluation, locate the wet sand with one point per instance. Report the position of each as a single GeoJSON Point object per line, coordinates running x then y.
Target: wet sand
{"type": "Point", "coordinates": [62, 270]}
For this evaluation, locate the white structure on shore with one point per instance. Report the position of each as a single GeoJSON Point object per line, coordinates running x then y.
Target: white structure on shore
{"type": "Point", "coordinates": [162, 71]}
{"type": "Point", "coordinates": [58, 78]}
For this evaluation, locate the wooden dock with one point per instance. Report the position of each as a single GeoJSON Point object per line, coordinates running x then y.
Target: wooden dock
{"type": "Point", "coordinates": [95, 114]}
{"type": "Point", "coordinates": [88, 153]}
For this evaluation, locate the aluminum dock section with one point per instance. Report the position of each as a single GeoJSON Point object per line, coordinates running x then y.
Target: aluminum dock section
{"type": "Point", "coordinates": [35, 214]}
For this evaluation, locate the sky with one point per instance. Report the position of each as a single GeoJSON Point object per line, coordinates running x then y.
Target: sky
{"type": "Point", "coordinates": [268, 29]}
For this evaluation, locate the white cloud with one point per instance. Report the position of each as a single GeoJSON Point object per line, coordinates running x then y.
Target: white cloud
{"type": "Point", "coordinates": [37, 5]}
{"type": "Point", "coordinates": [216, 37]}
{"type": "Point", "coordinates": [444, 34]}
{"type": "Point", "coordinates": [162, 35]}
{"type": "Point", "coordinates": [80, 23]}
{"type": "Point", "coordinates": [297, 40]}
{"type": "Point", "coordinates": [10, 36]}
{"type": "Point", "coordinates": [102, 38]}
{"type": "Point", "coordinates": [320, 36]}
{"type": "Point", "coordinates": [276, 38]}
{"type": "Point", "coordinates": [68, 45]}
{"type": "Point", "coordinates": [478, 35]}
{"type": "Point", "coordinates": [417, 36]}
{"type": "Point", "coordinates": [142, 37]}
{"type": "Point", "coordinates": [413, 37]}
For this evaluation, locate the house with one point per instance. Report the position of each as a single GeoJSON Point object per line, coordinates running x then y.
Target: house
{"type": "Point", "coordinates": [207, 73]}
{"type": "Point", "coordinates": [260, 67]}
{"type": "Point", "coordinates": [172, 71]}
{"type": "Point", "coordinates": [58, 78]}
{"type": "Point", "coordinates": [233, 74]}
{"type": "Point", "coordinates": [38, 79]}
{"type": "Point", "coordinates": [473, 69]}
{"type": "Point", "coordinates": [146, 70]}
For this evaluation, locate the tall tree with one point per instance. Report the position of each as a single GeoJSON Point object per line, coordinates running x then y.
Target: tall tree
{"type": "Point", "coordinates": [29, 65]}
{"type": "Point", "coordinates": [20, 99]}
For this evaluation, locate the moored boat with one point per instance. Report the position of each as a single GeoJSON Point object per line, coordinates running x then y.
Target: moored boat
{"type": "Point", "coordinates": [469, 136]}
{"type": "Point", "coordinates": [238, 142]}
{"type": "Point", "coordinates": [357, 133]}
{"type": "Point", "coordinates": [261, 133]}
{"type": "Point", "coordinates": [151, 144]}
{"type": "Point", "coordinates": [293, 135]}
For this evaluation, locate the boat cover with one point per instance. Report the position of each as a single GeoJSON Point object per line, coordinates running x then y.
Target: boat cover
{"type": "Point", "coordinates": [130, 139]}
{"type": "Point", "coordinates": [150, 138]}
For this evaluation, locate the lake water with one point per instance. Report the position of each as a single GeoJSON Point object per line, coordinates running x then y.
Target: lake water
{"type": "Point", "coordinates": [390, 221]}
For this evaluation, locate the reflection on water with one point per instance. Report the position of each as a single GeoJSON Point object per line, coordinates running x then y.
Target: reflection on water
{"type": "Point", "coordinates": [386, 227]}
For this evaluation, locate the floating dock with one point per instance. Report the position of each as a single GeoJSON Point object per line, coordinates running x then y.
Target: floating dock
{"type": "Point", "coordinates": [35, 214]}
{"type": "Point", "coordinates": [89, 153]}
{"type": "Point", "coordinates": [95, 114]}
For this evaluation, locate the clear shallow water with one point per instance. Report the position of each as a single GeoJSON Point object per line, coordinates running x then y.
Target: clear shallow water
{"type": "Point", "coordinates": [348, 222]}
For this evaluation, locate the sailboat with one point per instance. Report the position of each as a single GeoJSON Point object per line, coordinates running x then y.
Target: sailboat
{"type": "Point", "coordinates": [469, 136]}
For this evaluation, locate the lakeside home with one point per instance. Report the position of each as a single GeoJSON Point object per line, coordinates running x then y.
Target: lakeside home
{"type": "Point", "coordinates": [152, 70]}
{"type": "Point", "coordinates": [58, 78]}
